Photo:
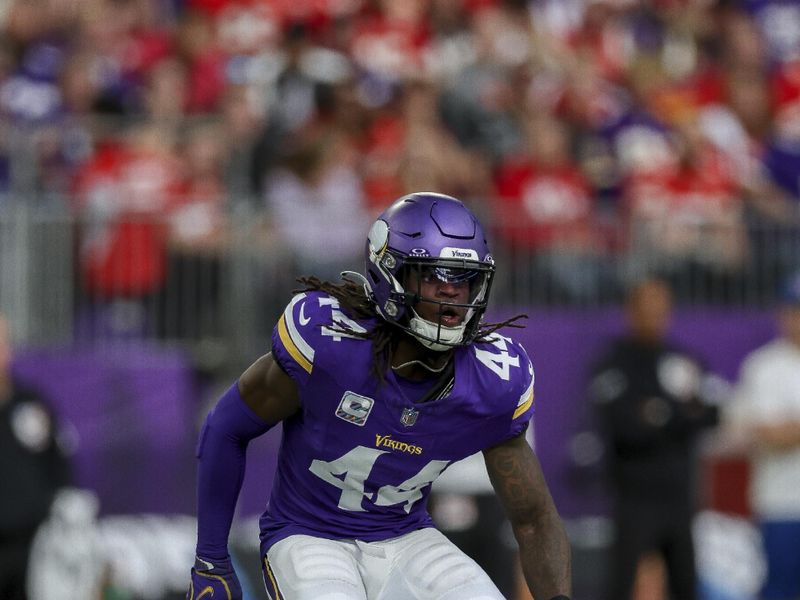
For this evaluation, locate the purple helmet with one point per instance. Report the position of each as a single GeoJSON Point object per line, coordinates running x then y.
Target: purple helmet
{"type": "Point", "coordinates": [429, 237]}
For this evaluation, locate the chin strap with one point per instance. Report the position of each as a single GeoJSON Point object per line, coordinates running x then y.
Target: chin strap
{"type": "Point", "coordinates": [435, 337]}
{"type": "Point", "coordinates": [421, 364]}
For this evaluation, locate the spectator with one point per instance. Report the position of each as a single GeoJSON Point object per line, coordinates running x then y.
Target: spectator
{"type": "Point", "coordinates": [413, 150]}
{"type": "Point", "coordinates": [745, 46]}
{"type": "Point", "coordinates": [253, 143]}
{"type": "Point", "coordinates": [126, 40]}
{"type": "Point", "coordinates": [766, 413]}
{"type": "Point", "coordinates": [32, 468]}
{"type": "Point", "coordinates": [778, 196]}
{"type": "Point", "coordinates": [382, 158]}
{"type": "Point", "coordinates": [296, 90]}
{"type": "Point", "coordinates": [778, 22]}
{"type": "Point", "coordinates": [747, 93]}
{"type": "Point", "coordinates": [432, 158]}
{"type": "Point", "coordinates": [197, 239]}
{"type": "Point", "coordinates": [205, 64]}
{"type": "Point", "coordinates": [648, 396]}
{"type": "Point", "coordinates": [123, 196]}
{"type": "Point", "coordinates": [545, 217]}
{"type": "Point", "coordinates": [199, 211]}
{"type": "Point", "coordinates": [165, 93]}
{"type": "Point", "coordinates": [390, 38]}
{"type": "Point", "coordinates": [687, 220]}
{"type": "Point", "coordinates": [315, 192]}
{"type": "Point", "coordinates": [636, 141]}
{"type": "Point", "coordinates": [481, 102]}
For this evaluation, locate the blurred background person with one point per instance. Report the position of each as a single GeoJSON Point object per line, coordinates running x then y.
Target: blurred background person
{"type": "Point", "coordinates": [33, 467]}
{"type": "Point", "coordinates": [546, 217]}
{"type": "Point", "coordinates": [766, 415]}
{"type": "Point", "coordinates": [315, 192]}
{"type": "Point", "coordinates": [410, 148]}
{"type": "Point", "coordinates": [122, 195]}
{"type": "Point", "coordinates": [648, 396]}
{"type": "Point", "coordinates": [197, 238]}
{"type": "Point", "coordinates": [687, 219]}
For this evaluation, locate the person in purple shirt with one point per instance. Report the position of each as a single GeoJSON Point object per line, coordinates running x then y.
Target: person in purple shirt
{"type": "Point", "coordinates": [381, 383]}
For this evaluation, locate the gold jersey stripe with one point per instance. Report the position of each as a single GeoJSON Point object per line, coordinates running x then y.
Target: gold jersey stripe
{"type": "Point", "coordinates": [524, 406]}
{"type": "Point", "coordinates": [295, 353]}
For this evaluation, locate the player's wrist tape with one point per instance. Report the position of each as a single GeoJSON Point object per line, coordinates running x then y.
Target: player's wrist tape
{"type": "Point", "coordinates": [217, 565]}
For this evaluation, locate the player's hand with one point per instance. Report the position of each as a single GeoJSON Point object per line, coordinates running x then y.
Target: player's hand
{"type": "Point", "coordinates": [214, 580]}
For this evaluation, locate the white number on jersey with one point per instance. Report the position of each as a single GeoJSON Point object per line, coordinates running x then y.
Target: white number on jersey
{"type": "Point", "coordinates": [499, 363]}
{"type": "Point", "coordinates": [338, 318]}
{"type": "Point", "coordinates": [356, 466]}
{"type": "Point", "coordinates": [411, 489]}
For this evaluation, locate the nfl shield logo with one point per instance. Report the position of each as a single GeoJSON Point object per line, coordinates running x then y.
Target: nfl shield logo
{"type": "Point", "coordinates": [409, 416]}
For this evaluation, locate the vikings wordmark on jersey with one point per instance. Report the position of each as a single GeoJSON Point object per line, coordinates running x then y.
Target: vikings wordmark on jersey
{"type": "Point", "coordinates": [359, 458]}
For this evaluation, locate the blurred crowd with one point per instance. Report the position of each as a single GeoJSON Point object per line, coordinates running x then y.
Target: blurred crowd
{"type": "Point", "coordinates": [663, 132]}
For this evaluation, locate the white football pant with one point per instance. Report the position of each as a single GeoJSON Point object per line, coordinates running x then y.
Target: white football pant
{"type": "Point", "coordinates": [422, 565]}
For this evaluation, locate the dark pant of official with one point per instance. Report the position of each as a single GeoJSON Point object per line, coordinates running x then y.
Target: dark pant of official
{"type": "Point", "coordinates": [14, 554]}
{"type": "Point", "coordinates": [648, 526]}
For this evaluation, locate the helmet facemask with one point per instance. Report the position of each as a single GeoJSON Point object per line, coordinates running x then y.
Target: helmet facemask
{"type": "Point", "coordinates": [444, 300]}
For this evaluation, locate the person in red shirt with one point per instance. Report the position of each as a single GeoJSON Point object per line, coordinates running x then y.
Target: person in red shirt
{"type": "Point", "coordinates": [197, 239]}
{"type": "Point", "coordinates": [686, 219]}
{"type": "Point", "coordinates": [122, 197]}
{"type": "Point", "coordinates": [545, 215]}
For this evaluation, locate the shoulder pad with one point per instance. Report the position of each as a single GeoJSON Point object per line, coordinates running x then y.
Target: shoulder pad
{"type": "Point", "coordinates": [310, 323]}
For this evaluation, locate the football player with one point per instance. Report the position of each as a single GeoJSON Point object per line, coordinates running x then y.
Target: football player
{"type": "Point", "coordinates": [381, 382]}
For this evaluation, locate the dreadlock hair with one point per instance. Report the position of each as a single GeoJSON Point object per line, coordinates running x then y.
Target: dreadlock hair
{"type": "Point", "coordinates": [356, 303]}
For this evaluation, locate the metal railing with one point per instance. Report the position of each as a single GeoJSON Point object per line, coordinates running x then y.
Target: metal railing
{"type": "Point", "coordinates": [222, 303]}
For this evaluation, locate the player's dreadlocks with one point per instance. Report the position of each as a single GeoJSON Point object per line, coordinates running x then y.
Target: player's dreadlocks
{"type": "Point", "coordinates": [357, 304]}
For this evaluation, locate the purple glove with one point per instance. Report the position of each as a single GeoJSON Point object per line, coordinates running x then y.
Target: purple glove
{"type": "Point", "coordinates": [215, 580]}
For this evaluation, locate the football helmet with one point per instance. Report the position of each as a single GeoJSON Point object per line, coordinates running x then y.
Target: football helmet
{"type": "Point", "coordinates": [422, 242]}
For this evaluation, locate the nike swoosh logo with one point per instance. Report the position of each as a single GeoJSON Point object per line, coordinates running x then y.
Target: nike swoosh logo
{"type": "Point", "coordinates": [206, 590]}
{"type": "Point", "coordinates": [303, 319]}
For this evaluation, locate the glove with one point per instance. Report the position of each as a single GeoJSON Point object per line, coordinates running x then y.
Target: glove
{"type": "Point", "coordinates": [217, 577]}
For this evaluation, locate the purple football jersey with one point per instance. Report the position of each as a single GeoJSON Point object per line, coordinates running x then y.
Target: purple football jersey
{"type": "Point", "coordinates": [358, 460]}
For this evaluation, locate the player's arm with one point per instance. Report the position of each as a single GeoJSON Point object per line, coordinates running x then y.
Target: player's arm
{"type": "Point", "coordinates": [263, 396]}
{"type": "Point", "coordinates": [778, 437]}
{"type": "Point", "coordinates": [269, 392]}
{"type": "Point", "coordinates": [543, 545]}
